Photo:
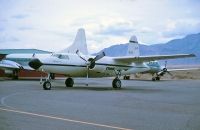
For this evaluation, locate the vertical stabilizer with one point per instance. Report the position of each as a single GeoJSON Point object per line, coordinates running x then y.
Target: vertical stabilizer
{"type": "Point", "coordinates": [133, 47]}
{"type": "Point", "coordinates": [78, 44]}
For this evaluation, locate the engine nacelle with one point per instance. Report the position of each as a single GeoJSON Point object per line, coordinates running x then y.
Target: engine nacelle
{"type": "Point", "coordinates": [92, 63]}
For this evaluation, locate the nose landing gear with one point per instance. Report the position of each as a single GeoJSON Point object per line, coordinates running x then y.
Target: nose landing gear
{"type": "Point", "coordinates": [117, 82]}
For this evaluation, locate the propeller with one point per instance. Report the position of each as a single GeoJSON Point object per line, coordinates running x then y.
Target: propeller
{"type": "Point", "coordinates": [33, 56]}
{"type": "Point", "coordinates": [165, 69]}
{"type": "Point", "coordinates": [90, 63]}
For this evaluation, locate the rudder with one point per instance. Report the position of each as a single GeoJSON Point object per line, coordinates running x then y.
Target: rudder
{"type": "Point", "coordinates": [79, 43]}
{"type": "Point", "coordinates": [133, 47]}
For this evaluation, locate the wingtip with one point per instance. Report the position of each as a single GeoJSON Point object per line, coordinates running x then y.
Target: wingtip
{"type": "Point", "coordinates": [192, 55]}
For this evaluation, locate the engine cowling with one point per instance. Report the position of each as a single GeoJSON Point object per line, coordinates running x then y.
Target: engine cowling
{"type": "Point", "coordinates": [92, 63]}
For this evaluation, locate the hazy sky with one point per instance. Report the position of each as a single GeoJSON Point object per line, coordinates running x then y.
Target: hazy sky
{"type": "Point", "coordinates": [52, 24]}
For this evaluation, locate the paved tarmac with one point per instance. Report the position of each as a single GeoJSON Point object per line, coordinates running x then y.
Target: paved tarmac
{"type": "Point", "coordinates": [139, 105]}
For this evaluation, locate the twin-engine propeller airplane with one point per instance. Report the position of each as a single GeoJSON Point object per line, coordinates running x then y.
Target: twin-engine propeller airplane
{"type": "Point", "coordinates": [79, 65]}
{"type": "Point", "coordinates": [155, 69]}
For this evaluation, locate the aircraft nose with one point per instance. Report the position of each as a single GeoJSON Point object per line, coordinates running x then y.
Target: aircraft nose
{"type": "Point", "coordinates": [35, 63]}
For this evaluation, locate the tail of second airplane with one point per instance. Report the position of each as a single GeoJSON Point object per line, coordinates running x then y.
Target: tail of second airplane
{"type": "Point", "coordinates": [78, 44]}
{"type": "Point", "coordinates": [133, 47]}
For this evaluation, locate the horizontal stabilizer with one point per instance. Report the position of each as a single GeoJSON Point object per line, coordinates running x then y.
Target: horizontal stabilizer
{"type": "Point", "coordinates": [183, 69]}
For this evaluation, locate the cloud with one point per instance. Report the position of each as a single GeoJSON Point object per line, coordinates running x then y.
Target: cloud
{"type": "Point", "coordinates": [5, 39]}
{"type": "Point", "coordinates": [53, 26]}
{"type": "Point", "coordinates": [2, 29]}
{"type": "Point", "coordinates": [25, 28]}
{"type": "Point", "coordinates": [180, 28]}
{"type": "Point", "coordinates": [117, 29]}
{"type": "Point", "coordinates": [20, 16]}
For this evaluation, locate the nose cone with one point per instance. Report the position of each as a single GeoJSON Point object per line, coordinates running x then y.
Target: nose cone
{"type": "Point", "coordinates": [35, 64]}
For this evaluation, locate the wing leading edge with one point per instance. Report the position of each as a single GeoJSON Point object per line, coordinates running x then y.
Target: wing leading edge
{"type": "Point", "coordinates": [151, 58]}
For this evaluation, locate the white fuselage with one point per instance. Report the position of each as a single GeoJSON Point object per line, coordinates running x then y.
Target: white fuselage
{"type": "Point", "coordinates": [73, 66]}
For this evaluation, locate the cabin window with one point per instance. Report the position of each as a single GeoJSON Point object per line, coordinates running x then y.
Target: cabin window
{"type": "Point", "coordinates": [60, 56]}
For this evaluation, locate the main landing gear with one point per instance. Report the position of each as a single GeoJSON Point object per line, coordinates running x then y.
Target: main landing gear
{"type": "Point", "coordinates": [69, 82]}
{"type": "Point", "coordinates": [157, 78]}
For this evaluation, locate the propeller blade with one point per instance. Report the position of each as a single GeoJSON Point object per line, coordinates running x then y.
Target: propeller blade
{"type": "Point", "coordinates": [165, 64]}
{"type": "Point", "coordinates": [99, 56]}
{"type": "Point", "coordinates": [169, 73]}
{"type": "Point", "coordinates": [80, 55]}
{"type": "Point", "coordinates": [33, 56]}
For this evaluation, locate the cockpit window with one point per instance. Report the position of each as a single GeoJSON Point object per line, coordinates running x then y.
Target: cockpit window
{"type": "Point", "coordinates": [153, 63]}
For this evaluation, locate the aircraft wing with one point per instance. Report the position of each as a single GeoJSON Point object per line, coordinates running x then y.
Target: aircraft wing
{"type": "Point", "coordinates": [151, 58]}
{"type": "Point", "coordinates": [184, 69]}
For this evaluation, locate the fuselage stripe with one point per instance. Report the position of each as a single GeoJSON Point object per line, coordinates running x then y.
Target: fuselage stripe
{"type": "Point", "coordinates": [97, 64]}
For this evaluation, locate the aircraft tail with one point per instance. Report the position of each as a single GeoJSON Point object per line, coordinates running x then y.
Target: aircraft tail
{"type": "Point", "coordinates": [133, 47]}
{"type": "Point", "coordinates": [79, 43]}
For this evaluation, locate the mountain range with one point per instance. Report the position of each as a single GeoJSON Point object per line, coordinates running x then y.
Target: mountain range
{"type": "Point", "coordinates": [187, 45]}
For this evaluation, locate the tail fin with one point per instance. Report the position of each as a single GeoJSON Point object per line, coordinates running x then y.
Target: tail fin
{"type": "Point", "coordinates": [79, 43]}
{"type": "Point", "coordinates": [133, 47]}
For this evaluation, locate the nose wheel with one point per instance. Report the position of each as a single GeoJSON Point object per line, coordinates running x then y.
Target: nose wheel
{"type": "Point", "coordinates": [47, 85]}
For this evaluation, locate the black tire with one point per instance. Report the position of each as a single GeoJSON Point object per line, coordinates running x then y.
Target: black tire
{"type": "Point", "coordinates": [153, 79]}
{"type": "Point", "coordinates": [15, 77]}
{"type": "Point", "coordinates": [127, 77]}
{"type": "Point", "coordinates": [158, 78]}
{"type": "Point", "coordinates": [69, 82]}
{"type": "Point", "coordinates": [116, 83]}
{"type": "Point", "coordinates": [47, 85]}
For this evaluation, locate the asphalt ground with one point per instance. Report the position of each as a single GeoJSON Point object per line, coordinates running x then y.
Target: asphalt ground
{"type": "Point", "coordinates": [138, 105]}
